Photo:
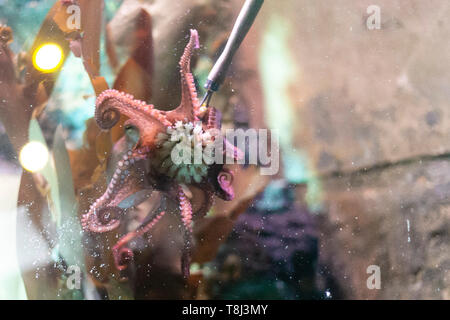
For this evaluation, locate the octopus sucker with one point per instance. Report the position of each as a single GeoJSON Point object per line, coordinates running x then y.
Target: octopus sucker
{"type": "Point", "coordinates": [186, 217]}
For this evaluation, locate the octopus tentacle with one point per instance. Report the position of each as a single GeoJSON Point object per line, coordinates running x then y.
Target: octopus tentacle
{"type": "Point", "coordinates": [111, 103]}
{"type": "Point", "coordinates": [150, 122]}
{"type": "Point", "coordinates": [188, 110]}
{"type": "Point", "coordinates": [104, 214]}
{"type": "Point", "coordinates": [154, 128]}
{"type": "Point", "coordinates": [207, 203]}
{"type": "Point", "coordinates": [213, 118]}
{"type": "Point", "coordinates": [225, 180]}
{"type": "Point", "coordinates": [186, 216]}
{"type": "Point", "coordinates": [122, 254]}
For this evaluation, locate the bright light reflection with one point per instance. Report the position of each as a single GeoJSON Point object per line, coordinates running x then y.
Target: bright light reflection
{"type": "Point", "coordinates": [34, 156]}
{"type": "Point", "coordinates": [48, 57]}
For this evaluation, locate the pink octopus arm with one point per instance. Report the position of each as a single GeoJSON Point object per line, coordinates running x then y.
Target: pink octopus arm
{"type": "Point", "coordinates": [122, 254]}
{"type": "Point", "coordinates": [105, 214]}
{"type": "Point", "coordinates": [186, 217]}
{"type": "Point", "coordinates": [188, 109]}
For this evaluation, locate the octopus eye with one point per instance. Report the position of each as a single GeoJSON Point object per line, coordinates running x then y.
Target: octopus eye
{"type": "Point", "coordinates": [132, 135]}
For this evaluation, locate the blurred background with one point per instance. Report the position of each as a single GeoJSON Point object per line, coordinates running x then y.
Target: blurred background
{"type": "Point", "coordinates": [359, 94]}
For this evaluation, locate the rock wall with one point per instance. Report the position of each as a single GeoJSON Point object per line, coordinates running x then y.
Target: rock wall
{"type": "Point", "coordinates": [395, 217]}
{"type": "Point", "coordinates": [371, 114]}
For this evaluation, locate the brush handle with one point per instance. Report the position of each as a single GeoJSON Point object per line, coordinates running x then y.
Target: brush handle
{"type": "Point", "coordinates": [240, 29]}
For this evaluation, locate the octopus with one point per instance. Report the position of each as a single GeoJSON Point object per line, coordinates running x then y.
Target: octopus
{"type": "Point", "coordinates": [148, 164]}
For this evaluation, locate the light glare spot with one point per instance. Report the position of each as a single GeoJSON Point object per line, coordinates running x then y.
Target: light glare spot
{"type": "Point", "coordinates": [34, 156]}
{"type": "Point", "coordinates": [48, 57]}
